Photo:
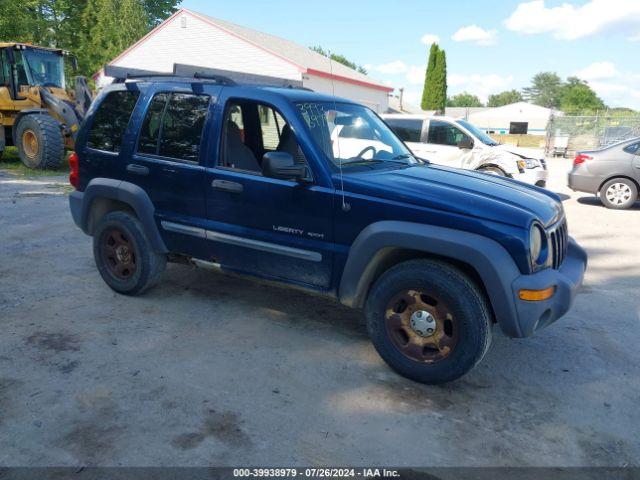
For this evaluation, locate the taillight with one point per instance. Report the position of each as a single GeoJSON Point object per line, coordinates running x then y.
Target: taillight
{"type": "Point", "coordinates": [74, 174]}
{"type": "Point", "coordinates": [581, 158]}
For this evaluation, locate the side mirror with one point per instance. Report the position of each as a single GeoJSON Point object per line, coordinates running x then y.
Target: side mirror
{"type": "Point", "coordinates": [466, 143]}
{"type": "Point", "coordinates": [74, 62]}
{"type": "Point", "coordinates": [281, 165]}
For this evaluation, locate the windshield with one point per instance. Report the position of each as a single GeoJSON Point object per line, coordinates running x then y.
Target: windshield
{"type": "Point", "coordinates": [44, 68]}
{"type": "Point", "coordinates": [479, 134]}
{"type": "Point", "coordinates": [351, 134]}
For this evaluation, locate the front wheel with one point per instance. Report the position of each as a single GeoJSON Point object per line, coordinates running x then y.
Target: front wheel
{"type": "Point", "coordinates": [428, 321]}
{"type": "Point", "coordinates": [619, 193]}
{"type": "Point", "coordinates": [39, 141]}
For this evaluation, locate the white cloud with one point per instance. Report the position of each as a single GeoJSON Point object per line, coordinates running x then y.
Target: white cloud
{"type": "Point", "coordinates": [617, 88]}
{"type": "Point", "coordinates": [416, 74]}
{"type": "Point", "coordinates": [392, 68]}
{"type": "Point", "coordinates": [569, 22]}
{"type": "Point", "coordinates": [480, 85]}
{"type": "Point", "coordinates": [597, 71]}
{"type": "Point", "coordinates": [429, 38]}
{"type": "Point", "coordinates": [476, 34]}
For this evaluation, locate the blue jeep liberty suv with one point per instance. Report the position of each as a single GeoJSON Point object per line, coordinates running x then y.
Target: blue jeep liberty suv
{"type": "Point", "coordinates": [250, 178]}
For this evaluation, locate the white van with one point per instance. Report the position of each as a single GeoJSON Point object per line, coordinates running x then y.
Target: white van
{"type": "Point", "coordinates": [458, 143]}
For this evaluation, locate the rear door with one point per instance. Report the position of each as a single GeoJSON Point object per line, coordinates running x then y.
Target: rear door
{"type": "Point", "coordinates": [634, 151]}
{"type": "Point", "coordinates": [264, 226]}
{"type": "Point", "coordinates": [165, 160]}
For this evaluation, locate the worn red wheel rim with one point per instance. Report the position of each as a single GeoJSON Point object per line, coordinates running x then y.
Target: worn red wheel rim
{"type": "Point", "coordinates": [119, 254]}
{"type": "Point", "coordinates": [421, 326]}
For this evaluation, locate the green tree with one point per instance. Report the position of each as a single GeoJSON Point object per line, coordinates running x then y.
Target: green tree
{"type": "Point", "coordinates": [464, 99]}
{"type": "Point", "coordinates": [504, 98]}
{"type": "Point", "coordinates": [427, 91]}
{"type": "Point", "coordinates": [545, 90]}
{"type": "Point", "coordinates": [440, 82]}
{"type": "Point", "coordinates": [340, 59]}
{"type": "Point", "coordinates": [578, 97]}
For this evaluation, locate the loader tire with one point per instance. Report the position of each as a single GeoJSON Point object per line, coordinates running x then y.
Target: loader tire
{"type": "Point", "coordinates": [39, 141]}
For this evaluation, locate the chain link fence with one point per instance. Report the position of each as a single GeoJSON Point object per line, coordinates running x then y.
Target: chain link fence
{"type": "Point", "coordinates": [569, 134]}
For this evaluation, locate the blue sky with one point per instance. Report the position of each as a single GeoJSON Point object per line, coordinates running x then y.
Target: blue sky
{"type": "Point", "coordinates": [491, 45]}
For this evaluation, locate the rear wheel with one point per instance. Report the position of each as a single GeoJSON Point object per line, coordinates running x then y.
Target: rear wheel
{"type": "Point", "coordinates": [619, 193]}
{"type": "Point", "coordinates": [124, 256]}
{"type": "Point", "coordinates": [428, 321]}
{"type": "Point", "coordinates": [39, 141]}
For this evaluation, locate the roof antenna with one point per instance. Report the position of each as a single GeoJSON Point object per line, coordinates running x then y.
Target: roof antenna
{"type": "Point", "coordinates": [345, 206]}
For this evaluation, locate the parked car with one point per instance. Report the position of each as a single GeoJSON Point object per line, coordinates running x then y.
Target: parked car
{"type": "Point", "coordinates": [205, 170]}
{"type": "Point", "coordinates": [613, 173]}
{"type": "Point", "coordinates": [458, 143]}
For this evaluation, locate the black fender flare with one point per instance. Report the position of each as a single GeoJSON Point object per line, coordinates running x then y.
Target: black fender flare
{"type": "Point", "coordinates": [127, 193]}
{"type": "Point", "coordinates": [491, 261]}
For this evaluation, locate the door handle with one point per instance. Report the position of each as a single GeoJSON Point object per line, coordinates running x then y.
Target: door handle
{"type": "Point", "coordinates": [227, 186]}
{"type": "Point", "coordinates": [137, 169]}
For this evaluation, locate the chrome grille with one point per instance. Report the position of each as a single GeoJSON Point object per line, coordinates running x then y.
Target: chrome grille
{"type": "Point", "coordinates": [559, 242]}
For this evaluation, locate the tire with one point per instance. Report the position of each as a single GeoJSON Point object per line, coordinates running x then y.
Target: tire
{"type": "Point", "coordinates": [460, 312]}
{"type": "Point", "coordinates": [497, 171]}
{"type": "Point", "coordinates": [39, 141]}
{"type": "Point", "coordinates": [619, 193]}
{"type": "Point", "coordinates": [124, 256]}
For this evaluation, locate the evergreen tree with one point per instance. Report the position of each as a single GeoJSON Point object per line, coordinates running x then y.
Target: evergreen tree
{"type": "Point", "coordinates": [440, 82]}
{"type": "Point", "coordinates": [427, 91]}
{"type": "Point", "coordinates": [545, 90]}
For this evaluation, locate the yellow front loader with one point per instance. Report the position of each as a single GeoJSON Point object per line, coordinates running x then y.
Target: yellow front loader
{"type": "Point", "coordinates": [39, 114]}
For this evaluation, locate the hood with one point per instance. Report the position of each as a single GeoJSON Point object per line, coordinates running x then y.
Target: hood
{"type": "Point", "coordinates": [460, 191]}
{"type": "Point", "coordinates": [522, 152]}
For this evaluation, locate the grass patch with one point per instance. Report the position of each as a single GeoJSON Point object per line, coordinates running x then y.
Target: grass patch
{"type": "Point", "coordinates": [10, 162]}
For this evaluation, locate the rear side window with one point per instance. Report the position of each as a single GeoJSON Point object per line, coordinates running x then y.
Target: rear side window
{"type": "Point", "coordinates": [408, 130]}
{"type": "Point", "coordinates": [111, 119]}
{"type": "Point", "coordinates": [173, 125]}
{"type": "Point", "coordinates": [633, 149]}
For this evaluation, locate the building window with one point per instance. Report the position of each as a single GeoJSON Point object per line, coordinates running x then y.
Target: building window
{"type": "Point", "coordinates": [518, 128]}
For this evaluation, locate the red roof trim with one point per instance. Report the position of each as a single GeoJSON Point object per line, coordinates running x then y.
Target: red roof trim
{"type": "Point", "coordinates": [320, 73]}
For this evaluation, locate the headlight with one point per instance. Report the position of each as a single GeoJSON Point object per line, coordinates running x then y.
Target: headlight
{"type": "Point", "coordinates": [537, 246]}
{"type": "Point", "coordinates": [532, 163]}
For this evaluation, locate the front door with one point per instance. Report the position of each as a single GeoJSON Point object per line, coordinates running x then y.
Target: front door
{"type": "Point", "coordinates": [269, 227]}
{"type": "Point", "coordinates": [442, 140]}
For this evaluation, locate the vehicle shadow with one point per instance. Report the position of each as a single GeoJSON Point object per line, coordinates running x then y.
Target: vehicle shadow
{"type": "Point", "coordinates": [595, 202]}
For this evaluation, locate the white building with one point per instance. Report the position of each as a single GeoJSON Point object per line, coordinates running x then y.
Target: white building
{"type": "Point", "coordinates": [192, 38]}
{"type": "Point", "coordinates": [515, 118]}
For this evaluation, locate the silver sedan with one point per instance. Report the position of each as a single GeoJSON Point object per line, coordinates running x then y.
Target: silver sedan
{"type": "Point", "coordinates": [612, 172]}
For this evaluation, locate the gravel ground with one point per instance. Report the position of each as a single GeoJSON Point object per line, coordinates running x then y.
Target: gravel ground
{"type": "Point", "coordinates": [209, 369]}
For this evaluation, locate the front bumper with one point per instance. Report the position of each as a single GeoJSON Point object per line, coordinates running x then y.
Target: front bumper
{"type": "Point", "coordinates": [535, 176]}
{"type": "Point", "coordinates": [567, 280]}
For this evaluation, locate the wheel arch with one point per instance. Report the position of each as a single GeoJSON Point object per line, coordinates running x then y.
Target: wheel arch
{"type": "Point", "coordinates": [384, 244]}
{"type": "Point", "coordinates": [613, 177]}
{"type": "Point", "coordinates": [104, 195]}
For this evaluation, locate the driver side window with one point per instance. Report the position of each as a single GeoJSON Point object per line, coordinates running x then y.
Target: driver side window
{"type": "Point", "coordinates": [252, 129]}
{"type": "Point", "coordinates": [443, 133]}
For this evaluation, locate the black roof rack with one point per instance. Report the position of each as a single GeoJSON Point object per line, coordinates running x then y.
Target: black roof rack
{"type": "Point", "coordinates": [222, 77]}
